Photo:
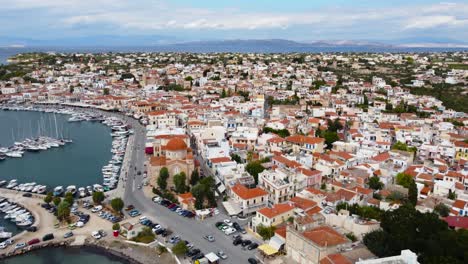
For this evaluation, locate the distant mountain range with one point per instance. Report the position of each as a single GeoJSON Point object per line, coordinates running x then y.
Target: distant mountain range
{"type": "Point", "coordinates": [169, 43]}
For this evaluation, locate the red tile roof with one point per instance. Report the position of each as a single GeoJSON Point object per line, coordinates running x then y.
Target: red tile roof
{"type": "Point", "coordinates": [335, 259]}
{"type": "Point", "coordinates": [277, 209]}
{"type": "Point", "coordinates": [457, 221]}
{"type": "Point", "coordinates": [246, 193]}
{"type": "Point", "coordinates": [325, 236]}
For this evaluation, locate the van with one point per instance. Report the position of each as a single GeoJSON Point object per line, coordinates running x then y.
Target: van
{"type": "Point", "coordinates": [49, 236]}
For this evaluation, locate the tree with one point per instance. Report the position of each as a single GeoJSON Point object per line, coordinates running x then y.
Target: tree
{"type": "Point", "coordinates": [203, 191]}
{"type": "Point", "coordinates": [423, 233]}
{"type": "Point", "coordinates": [254, 168]}
{"type": "Point", "coordinates": [236, 158]}
{"type": "Point", "coordinates": [63, 210]}
{"type": "Point", "coordinates": [330, 138]}
{"type": "Point", "coordinates": [198, 192]}
{"type": "Point", "coordinates": [194, 178]}
{"type": "Point", "coordinates": [404, 179]}
{"type": "Point", "coordinates": [452, 195]}
{"type": "Point", "coordinates": [223, 93]}
{"type": "Point", "coordinates": [116, 226]}
{"type": "Point", "coordinates": [57, 200]}
{"type": "Point", "coordinates": [375, 183]}
{"type": "Point", "coordinates": [413, 193]}
{"type": "Point", "coordinates": [442, 210]}
{"type": "Point", "coordinates": [98, 197]}
{"type": "Point", "coordinates": [69, 198]}
{"type": "Point", "coordinates": [117, 204]}
{"type": "Point", "coordinates": [180, 248]}
{"type": "Point", "coordinates": [162, 179]}
{"type": "Point", "coordinates": [179, 182]}
{"type": "Point", "coordinates": [105, 91]}
{"type": "Point", "coordinates": [266, 232]}
{"type": "Point", "coordinates": [48, 198]}
{"type": "Point", "coordinates": [366, 101]}
{"type": "Point", "coordinates": [351, 236]}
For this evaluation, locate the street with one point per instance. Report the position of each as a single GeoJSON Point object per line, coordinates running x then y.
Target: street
{"type": "Point", "coordinates": [189, 229]}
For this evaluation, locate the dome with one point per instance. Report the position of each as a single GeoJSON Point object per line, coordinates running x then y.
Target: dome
{"type": "Point", "coordinates": [176, 144]}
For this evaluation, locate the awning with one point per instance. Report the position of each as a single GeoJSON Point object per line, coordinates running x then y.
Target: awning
{"type": "Point", "coordinates": [221, 188]}
{"type": "Point", "coordinates": [276, 242]}
{"type": "Point", "coordinates": [211, 257]}
{"type": "Point", "coordinates": [232, 208]}
{"type": "Point", "coordinates": [267, 249]}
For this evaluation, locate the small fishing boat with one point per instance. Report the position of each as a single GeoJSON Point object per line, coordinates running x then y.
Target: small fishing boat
{"type": "Point", "coordinates": [58, 191]}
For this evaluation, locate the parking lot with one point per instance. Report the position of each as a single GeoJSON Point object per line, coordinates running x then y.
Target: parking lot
{"type": "Point", "coordinates": [171, 226]}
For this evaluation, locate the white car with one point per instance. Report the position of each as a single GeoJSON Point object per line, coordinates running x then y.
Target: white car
{"type": "Point", "coordinates": [3, 245]}
{"type": "Point", "coordinates": [228, 222]}
{"type": "Point", "coordinates": [79, 224]}
{"type": "Point", "coordinates": [96, 209]}
{"type": "Point", "coordinates": [156, 228]}
{"type": "Point", "coordinates": [96, 235]}
{"type": "Point", "coordinates": [143, 218]}
{"type": "Point", "coordinates": [230, 231]}
{"type": "Point", "coordinates": [156, 199]}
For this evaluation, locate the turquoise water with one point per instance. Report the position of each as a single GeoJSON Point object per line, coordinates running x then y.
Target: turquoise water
{"type": "Point", "coordinates": [78, 163]}
{"type": "Point", "coordinates": [63, 256]}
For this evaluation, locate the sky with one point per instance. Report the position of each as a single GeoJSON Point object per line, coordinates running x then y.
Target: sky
{"type": "Point", "coordinates": [181, 20]}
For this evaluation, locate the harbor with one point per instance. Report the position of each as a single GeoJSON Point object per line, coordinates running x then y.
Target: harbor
{"type": "Point", "coordinates": [18, 215]}
{"type": "Point", "coordinates": [101, 149]}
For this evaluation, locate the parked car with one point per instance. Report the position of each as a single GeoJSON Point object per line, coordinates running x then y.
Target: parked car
{"type": "Point", "coordinates": [21, 245]}
{"type": "Point", "coordinates": [31, 229]}
{"type": "Point", "coordinates": [227, 222]}
{"type": "Point", "coordinates": [129, 208]}
{"type": "Point", "coordinates": [27, 195]}
{"type": "Point", "coordinates": [96, 209]}
{"type": "Point", "coordinates": [193, 252]}
{"type": "Point", "coordinates": [198, 256]}
{"type": "Point", "coordinates": [237, 241]}
{"type": "Point", "coordinates": [49, 236]}
{"type": "Point", "coordinates": [209, 238]}
{"type": "Point", "coordinates": [156, 199]}
{"type": "Point", "coordinates": [252, 261]}
{"type": "Point", "coordinates": [68, 234]}
{"type": "Point", "coordinates": [229, 231]}
{"type": "Point", "coordinates": [102, 233]}
{"type": "Point", "coordinates": [96, 235]}
{"type": "Point", "coordinates": [252, 246]}
{"type": "Point", "coordinates": [174, 239]}
{"type": "Point", "coordinates": [159, 231]}
{"type": "Point", "coordinates": [3, 245]}
{"type": "Point", "coordinates": [246, 242]}
{"type": "Point", "coordinates": [33, 241]}
{"type": "Point", "coordinates": [222, 255]}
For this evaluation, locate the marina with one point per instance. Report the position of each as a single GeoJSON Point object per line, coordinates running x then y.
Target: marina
{"type": "Point", "coordinates": [64, 120]}
{"type": "Point", "coordinates": [17, 215]}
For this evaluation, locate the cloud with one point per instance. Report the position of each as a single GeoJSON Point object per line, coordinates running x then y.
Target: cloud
{"type": "Point", "coordinates": [148, 16]}
{"type": "Point", "coordinates": [425, 22]}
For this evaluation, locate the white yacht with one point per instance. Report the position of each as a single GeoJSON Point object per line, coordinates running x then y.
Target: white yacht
{"type": "Point", "coordinates": [58, 190]}
{"type": "Point", "coordinates": [82, 192]}
{"type": "Point", "coordinates": [42, 189]}
{"type": "Point", "coordinates": [71, 189]}
{"type": "Point", "coordinates": [12, 184]}
{"type": "Point", "coordinates": [98, 188]}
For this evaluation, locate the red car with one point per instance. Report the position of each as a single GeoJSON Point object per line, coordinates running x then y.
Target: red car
{"type": "Point", "coordinates": [33, 241]}
{"type": "Point", "coordinates": [172, 205]}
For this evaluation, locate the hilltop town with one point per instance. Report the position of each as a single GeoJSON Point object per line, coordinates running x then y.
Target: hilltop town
{"type": "Point", "coordinates": [328, 158]}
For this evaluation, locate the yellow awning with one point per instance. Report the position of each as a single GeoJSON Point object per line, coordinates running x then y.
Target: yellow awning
{"type": "Point", "coordinates": [267, 249]}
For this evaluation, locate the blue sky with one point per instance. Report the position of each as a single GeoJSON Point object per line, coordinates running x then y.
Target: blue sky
{"type": "Point", "coordinates": [302, 20]}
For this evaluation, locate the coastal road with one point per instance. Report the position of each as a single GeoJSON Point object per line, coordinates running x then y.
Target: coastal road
{"type": "Point", "coordinates": [188, 229]}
